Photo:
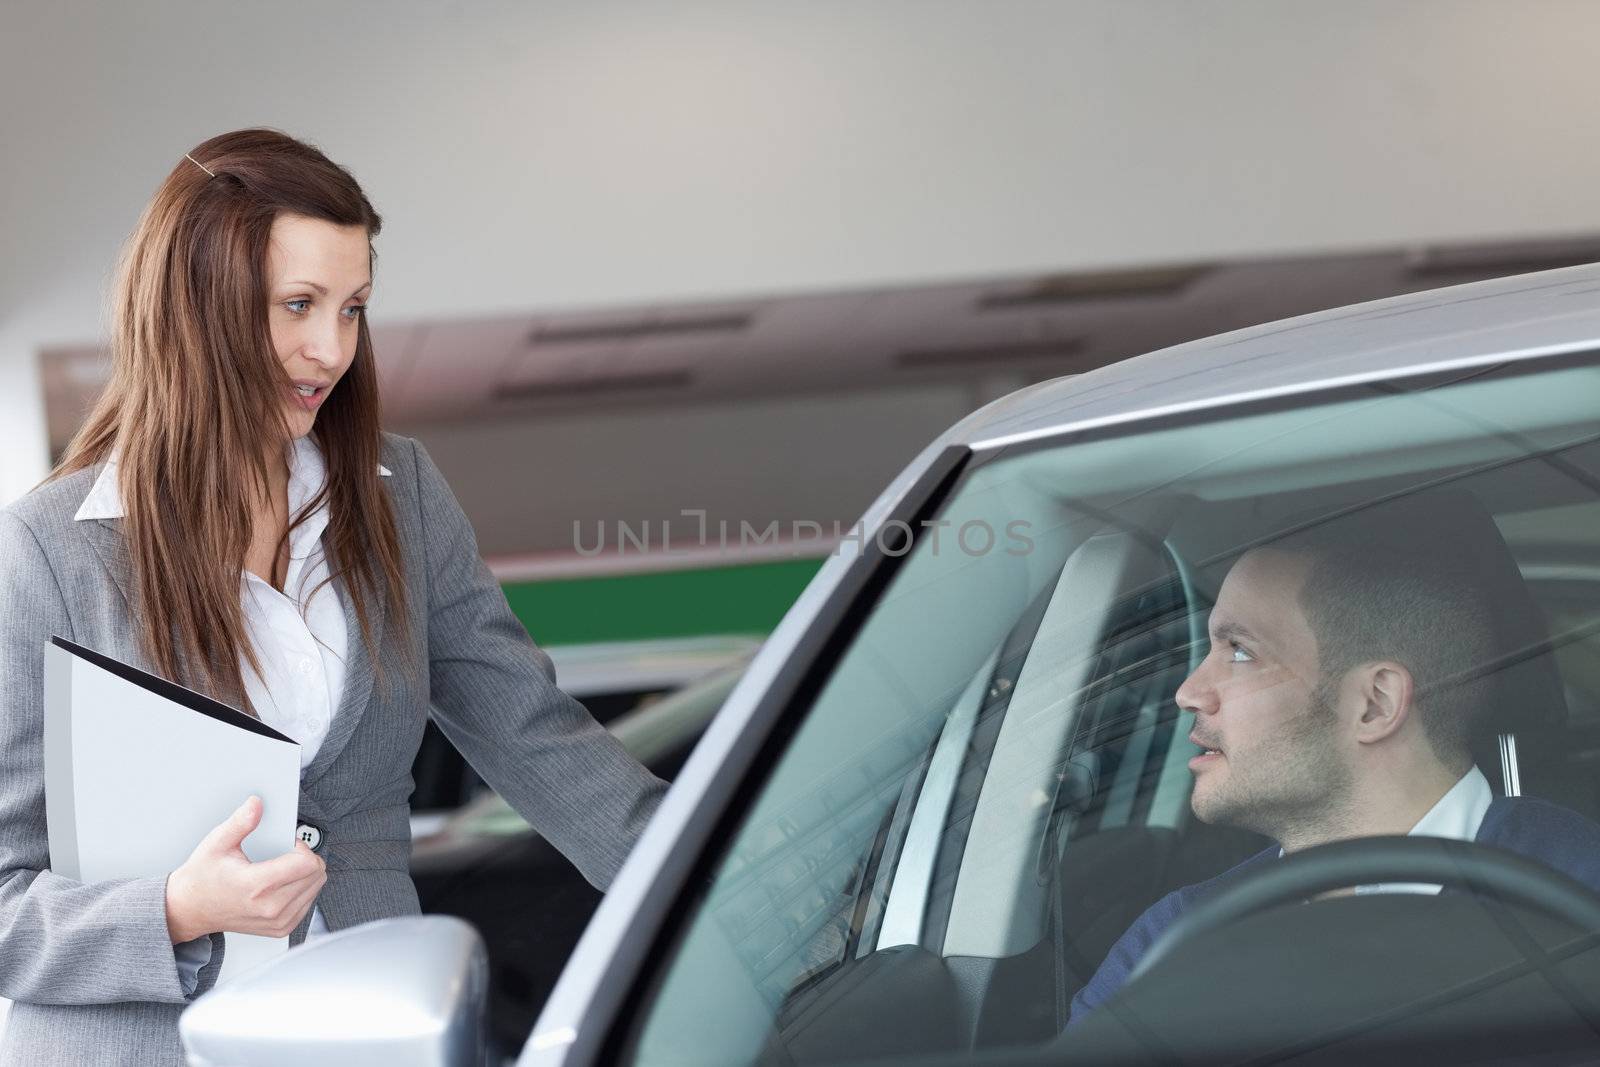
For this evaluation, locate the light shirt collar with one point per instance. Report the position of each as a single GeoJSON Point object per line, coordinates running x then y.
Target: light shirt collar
{"type": "Point", "coordinates": [306, 473]}
{"type": "Point", "coordinates": [1457, 815]}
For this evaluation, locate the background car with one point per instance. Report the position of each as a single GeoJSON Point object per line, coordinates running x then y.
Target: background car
{"type": "Point", "coordinates": [482, 861]}
{"type": "Point", "coordinates": [609, 678]}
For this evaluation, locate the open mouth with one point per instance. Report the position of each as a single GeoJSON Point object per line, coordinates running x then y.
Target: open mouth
{"type": "Point", "coordinates": [1207, 754]}
{"type": "Point", "coordinates": [308, 394]}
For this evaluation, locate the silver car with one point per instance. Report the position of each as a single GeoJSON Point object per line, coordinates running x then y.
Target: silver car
{"type": "Point", "coordinates": [958, 770]}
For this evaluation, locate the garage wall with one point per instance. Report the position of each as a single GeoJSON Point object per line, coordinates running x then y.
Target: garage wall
{"type": "Point", "coordinates": [555, 155]}
{"type": "Point", "coordinates": [524, 482]}
{"type": "Point", "coordinates": [701, 601]}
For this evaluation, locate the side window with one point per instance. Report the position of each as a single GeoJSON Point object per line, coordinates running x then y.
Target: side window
{"type": "Point", "coordinates": [791, 903]}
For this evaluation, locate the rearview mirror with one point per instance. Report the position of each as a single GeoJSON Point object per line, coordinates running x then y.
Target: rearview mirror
{"type": "Point", "coordinates": [409, 991]}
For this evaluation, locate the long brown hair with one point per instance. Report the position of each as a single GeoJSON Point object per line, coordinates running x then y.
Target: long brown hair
{"type": "Point", "coordinates": [195, 389]}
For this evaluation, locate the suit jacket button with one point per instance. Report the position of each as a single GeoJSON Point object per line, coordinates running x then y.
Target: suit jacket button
{"type": "Point", "coordinates": [310, 835]}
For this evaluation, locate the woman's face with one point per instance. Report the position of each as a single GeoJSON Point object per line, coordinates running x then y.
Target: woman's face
{"type": "Point", "coordinates": [319, 277]}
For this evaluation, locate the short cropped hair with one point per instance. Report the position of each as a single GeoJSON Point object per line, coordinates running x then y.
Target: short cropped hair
{"type": "Point", "coordinates": [1379, 587]}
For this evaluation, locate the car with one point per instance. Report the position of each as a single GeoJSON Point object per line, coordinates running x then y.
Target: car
{"type": "Point", "coordinates": [957, 770]}
{"type": "Point", "coordinates": [609, 678]}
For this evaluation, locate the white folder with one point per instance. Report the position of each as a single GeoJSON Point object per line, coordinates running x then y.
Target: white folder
{"type": "Point", "coordinates": [138, 769]}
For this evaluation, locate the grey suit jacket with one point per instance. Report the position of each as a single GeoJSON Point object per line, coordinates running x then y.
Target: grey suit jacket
{"type": "Point", "coordinates": [91, 967]}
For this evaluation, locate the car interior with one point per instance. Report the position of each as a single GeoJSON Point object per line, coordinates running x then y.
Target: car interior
{"type": "Point", "coordinates": [1017, 790]}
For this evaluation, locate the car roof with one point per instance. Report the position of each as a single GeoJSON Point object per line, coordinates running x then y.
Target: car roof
{"type": "Point", "coordinates": [1519, 317]}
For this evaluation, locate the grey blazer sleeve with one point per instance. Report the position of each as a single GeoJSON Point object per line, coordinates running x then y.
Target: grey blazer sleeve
{"type": "Point", "coordinates": [494, 695]}
{"type": "Point", "coordinates": [61, 941]}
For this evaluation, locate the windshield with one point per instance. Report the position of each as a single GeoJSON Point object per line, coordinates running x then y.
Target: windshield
{"type": "Point", "coordinates": [1120, 674]}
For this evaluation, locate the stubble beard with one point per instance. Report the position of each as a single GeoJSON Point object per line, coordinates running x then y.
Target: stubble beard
{"type": "Point", "coordinates": [1291, 789]}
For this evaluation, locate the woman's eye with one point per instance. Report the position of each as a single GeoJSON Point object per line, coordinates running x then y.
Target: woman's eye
{"type": "Point", "coordinates": [296, 307]}
{"type": "Point", "coordinates": [1239, 655]}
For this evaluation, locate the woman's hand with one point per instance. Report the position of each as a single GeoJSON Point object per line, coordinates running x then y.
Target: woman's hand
{"type": "Point", "coordinates": [219, 889]}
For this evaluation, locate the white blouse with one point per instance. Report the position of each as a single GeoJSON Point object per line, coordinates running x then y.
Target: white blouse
{"type": "Point", "coordinates": [299, 635]}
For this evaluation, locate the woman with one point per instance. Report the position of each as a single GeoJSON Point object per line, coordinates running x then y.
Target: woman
{"type": "Point", "coordinates": [232, 516]}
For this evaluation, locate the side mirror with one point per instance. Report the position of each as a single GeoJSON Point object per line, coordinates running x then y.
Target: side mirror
{"type": "Point", "coordinates": [409, 991]}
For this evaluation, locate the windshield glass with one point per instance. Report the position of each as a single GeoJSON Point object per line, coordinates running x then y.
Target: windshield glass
{"type": "Point", "coordinates": [1122, 675]}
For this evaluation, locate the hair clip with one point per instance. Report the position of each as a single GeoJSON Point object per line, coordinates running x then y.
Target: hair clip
{"type": "Point", "coordinates": [199, 164]}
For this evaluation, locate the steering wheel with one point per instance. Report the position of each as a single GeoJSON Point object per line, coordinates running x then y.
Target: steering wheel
{"type": "Point", "coordinates": [1483, 869]}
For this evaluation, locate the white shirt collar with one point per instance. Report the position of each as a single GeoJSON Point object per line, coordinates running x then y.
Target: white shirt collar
{"type": "Point", "coordinates": [1457, 815]}
{"type": "Point", "coordinates": [306, 472]}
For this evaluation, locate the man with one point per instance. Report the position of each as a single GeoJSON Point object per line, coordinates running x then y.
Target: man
{"type": "Point", "coordinates": [1351, 664]}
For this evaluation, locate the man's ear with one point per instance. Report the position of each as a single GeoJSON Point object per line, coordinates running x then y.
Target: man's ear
{"type": "Point", "coordinates": [1386, 691]}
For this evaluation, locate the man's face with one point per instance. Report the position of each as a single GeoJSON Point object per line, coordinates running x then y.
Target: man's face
{"type": "Point", "coordinates": [1257, 704]}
